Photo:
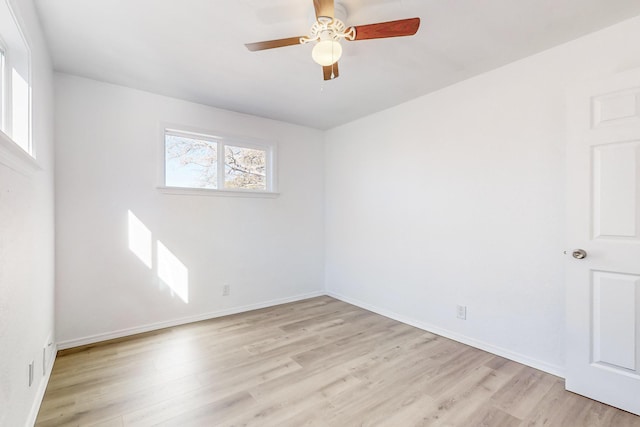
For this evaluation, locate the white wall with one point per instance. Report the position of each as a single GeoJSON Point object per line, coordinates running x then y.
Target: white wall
{"type": "Point", "coordinates": [108, 150]}
{"type": "Point", "coordinates": [457, 197]}
{"type": "Point", "coordinates": [26, 246]}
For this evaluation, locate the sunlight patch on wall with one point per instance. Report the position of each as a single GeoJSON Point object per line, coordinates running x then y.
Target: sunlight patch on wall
{"type": "Point", "coordinates": [170, 270]}
{"type": "Point", "coordinates": [173, 272]}
{"type": "Point", "coordinates": [140, 240]}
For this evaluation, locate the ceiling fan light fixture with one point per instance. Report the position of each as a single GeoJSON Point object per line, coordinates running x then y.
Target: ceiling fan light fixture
{"type": "Point", "coordinates": [326, 52]}
{"type": "Point", "coordinates": [328, 29]}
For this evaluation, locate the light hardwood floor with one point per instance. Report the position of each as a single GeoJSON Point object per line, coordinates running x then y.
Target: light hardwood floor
{"type": "Point", "coordinates": [319, 362]}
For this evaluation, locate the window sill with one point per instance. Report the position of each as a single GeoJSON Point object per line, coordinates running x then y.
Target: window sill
{"type": "Point", "coordinates": [179, 191]}
{"type": "Point", "coordinates": [14, 157]}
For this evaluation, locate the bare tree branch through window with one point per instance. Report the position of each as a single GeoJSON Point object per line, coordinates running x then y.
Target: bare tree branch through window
{"type": "Point", "coordinates": [193, 163]}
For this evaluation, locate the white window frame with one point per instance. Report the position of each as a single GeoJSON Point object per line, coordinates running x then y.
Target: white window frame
{"type": "Point", "coordinates": [221, 140]}
{"type": "Point", "coordinates": [18, 154]}
{"type": "Point", "coordinates": [3, 85]}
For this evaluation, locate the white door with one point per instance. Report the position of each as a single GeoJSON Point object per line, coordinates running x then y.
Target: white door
{"type": "Point", "coordinates": [603, 219]}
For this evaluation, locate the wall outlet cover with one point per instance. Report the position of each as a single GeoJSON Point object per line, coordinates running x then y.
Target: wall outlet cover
{"type": "Point", "coordinates": [462, 312]}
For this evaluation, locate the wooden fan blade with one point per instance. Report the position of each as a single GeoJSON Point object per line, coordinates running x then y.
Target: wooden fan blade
{"type": "Point", "coordinates": [328, 70]}
{"type": "Point", "coordinates": [383, 30]}
{"type": "Point", "coordinates": [323, 8]}
{"type": "Point", "coordinates": [271, 44]}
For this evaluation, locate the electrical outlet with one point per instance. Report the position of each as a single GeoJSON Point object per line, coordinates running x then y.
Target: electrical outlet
{"type": "Point", "coordinates": [31, 367]}
{"type": "Point", "coordinates": [461, 312]}
{"type": "Point", "coordinates": [226, 290]}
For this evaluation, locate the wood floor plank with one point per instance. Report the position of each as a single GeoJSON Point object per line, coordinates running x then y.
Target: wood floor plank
{"type": "Point", "coordinates": [214, 414]}
{"type": "Point", "coordinates": [493, 417]}
{"type": "Point", "coordinates": [215, 388]}
{"type": "Point", "coordinates": [114, 422]}
{"type": "Point", "coordinates": [375, 407]}
{"type": "Point", "coordinates": [523, 393]}
{"type": "Point", "coordinates": [314, 363]}
{"type": "Point", "coordinates": [551, 408]}
{"type": "Point", "coordinates": [309, 418]}
{"type": "Point", "coordinates": [460, 403]}
{"type": "Point", "coordinates": [416, 412]}
{"type": "Point", "coordinates": [104, 406]}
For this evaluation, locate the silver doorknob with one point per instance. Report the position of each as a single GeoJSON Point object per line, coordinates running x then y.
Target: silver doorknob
{"type": "Point", "coordinates": [579, 254]}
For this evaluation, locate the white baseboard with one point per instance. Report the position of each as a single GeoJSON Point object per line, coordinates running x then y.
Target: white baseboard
{"type": "Point", "coordinates": [175, 322]}
{"type": "Point", "coordinates": [499, 351]}
{"type": "Point", "coordinates": [42, 388]}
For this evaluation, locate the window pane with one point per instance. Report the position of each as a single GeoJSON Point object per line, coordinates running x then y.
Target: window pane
{"type": "Point", "coordinates": [190, 162]}
{"type": "Point", "coordinates": [2, 91]}
{"type": "Point", "coordinates": [20, 109]}
{"type": "Point", "coordinates": [244, 168]}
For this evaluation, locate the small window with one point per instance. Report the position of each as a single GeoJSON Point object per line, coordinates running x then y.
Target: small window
{"type": "Point", "coordinates": [190, 162]}
{"type": "Point", "coordinates": [15, 80]}
{"type": "Point", "coordinates": [245, 168]}
{"type": "Point", "coordinates": [2, 86]}
{"type": "Point", "coordinates": [198, 161]}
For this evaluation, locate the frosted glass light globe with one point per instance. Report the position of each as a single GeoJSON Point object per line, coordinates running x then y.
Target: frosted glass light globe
{"type": "Point", "coordinates": [326, 52]}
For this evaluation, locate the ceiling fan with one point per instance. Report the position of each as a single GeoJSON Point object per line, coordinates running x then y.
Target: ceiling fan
{"type": "Point", "coordinates": [328, 30]}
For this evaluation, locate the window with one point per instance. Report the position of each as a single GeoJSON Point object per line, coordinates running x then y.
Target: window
{"type": "Point", "coordinates": [200, 161]}
{"type": "Point", "coordinates": [15, 81]}
{"type": "Point", "coordinates": [2, 85]}
{"type": "Point", "coordinates": [244, 168]}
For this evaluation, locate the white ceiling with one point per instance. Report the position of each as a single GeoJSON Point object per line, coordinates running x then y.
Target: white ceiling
{"type": "Point", "coordinates": [194, 49]}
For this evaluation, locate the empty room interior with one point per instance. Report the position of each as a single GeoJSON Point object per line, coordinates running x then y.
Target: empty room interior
{"type": "Point", "coordinates": [320, 213]}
